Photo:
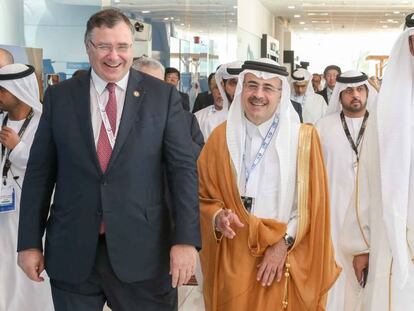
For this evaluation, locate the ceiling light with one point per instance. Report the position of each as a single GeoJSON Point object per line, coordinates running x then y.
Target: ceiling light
{"type": "Point", "coordinates": [296, 16]}
{"type": "Point", "coordinates": [384, 26]}
{"type": "Point", "coordinates": [145, 12]}
{"type": "Point", "coordinates": [182, 24]}
{"type": "Point", "coordinates": [291, 7]}
{"type": "Point", "coordinates": [405, 2]}
{"type": "Point", "coordinates": [302, 23]}
{"type": "Point", "coordinates": [117, 1]}
{"type": "Point", "coordinates": [311, 14]}
{"type": "Point", "coordinates": [166, 18]}
{"type": "Point", "coordinates": [235, 7]}
{"type": "Point", "coordinates": [323, 14]}
{"type": "Point", "coordinates": [396, 12]}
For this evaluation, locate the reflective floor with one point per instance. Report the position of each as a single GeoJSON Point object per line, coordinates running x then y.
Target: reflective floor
{"type": "Point", "coordinates": [190, 298]}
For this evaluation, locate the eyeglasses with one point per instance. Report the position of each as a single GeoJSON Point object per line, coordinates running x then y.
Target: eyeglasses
{"type": "Point", "coordinates": [107, 48]}
{"type": "Point", "coordinates": [267, 88]}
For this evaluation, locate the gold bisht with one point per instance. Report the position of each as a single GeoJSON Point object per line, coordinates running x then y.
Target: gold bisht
{"type": "Point", "coordinates": [230, 266]}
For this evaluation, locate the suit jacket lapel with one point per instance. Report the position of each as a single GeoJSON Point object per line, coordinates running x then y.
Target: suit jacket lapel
{"type": "Point", "coordinates": [83, 110]}
{"type": "Point", "coordinates": [133, 99]}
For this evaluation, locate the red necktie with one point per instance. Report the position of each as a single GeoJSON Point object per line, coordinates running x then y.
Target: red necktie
{"type": "Point", "coordinates": [104, 149]}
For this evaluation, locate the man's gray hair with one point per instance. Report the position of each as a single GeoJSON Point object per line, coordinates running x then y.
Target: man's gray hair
{"type": "Point", "coordinates": [147, 62]}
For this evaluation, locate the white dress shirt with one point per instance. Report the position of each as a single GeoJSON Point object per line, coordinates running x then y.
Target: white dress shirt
{"type": "Point", "coordinates": [264, 181]}
{"type": "Point", "coordinates": [98, 92]}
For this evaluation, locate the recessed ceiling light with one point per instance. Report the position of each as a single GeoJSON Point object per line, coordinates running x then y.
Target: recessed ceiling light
{"type": "Point", "coordinates": [311, 14]}
{"type": "Point", "coordinates": [390, 20]}
{"type": "Point", "coordinates": [182, 24]}
{"type": "Point", "coordinates": [296, 16]}
{"type": "Point", "coordinates": [117, 1]}
{"type": "Point", "coordinates": [145, 12]}
{"type": "Point", "coordinates": [384, 26]}
{"type": "Point", "coordinates": [396, 12]}
{"type": "Point", "coordinates": [230, 21]}
{"type": "Point", "coordinates": [171, 18]}
{"type": "Point", "coordinates": [405, 2]}
{"type": "Point", "coordinates": [302, 23]}
{"type": "Point", "coordinates": [235, 7]}
{"type": "Point", "coordinates": [291, 7]}
{"type": "Point", "coordinates": [323, 14]}
{"type": "Point", "coordinates": [166, 18]}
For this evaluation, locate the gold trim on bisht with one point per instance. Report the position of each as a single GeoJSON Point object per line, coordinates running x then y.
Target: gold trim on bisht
{"type": "Point", "coordinates": [303, 158]}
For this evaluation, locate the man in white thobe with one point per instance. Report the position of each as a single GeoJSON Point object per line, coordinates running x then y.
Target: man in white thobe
{"type": "Point", "coordinates": [384, 209]}
{"type": "Point", "coordinates": [341, 133]}
{"type": "Point", "coordinates": [19, 98]}
{"type": "Point", "coordinates": [223, 87]}
{"type": "Point", "coordinates": [313, 105]}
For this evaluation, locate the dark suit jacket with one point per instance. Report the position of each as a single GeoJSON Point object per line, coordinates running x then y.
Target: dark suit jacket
{"type": "Point", "coordinates": [324, 94]}
{"type": "Point", "coordinates": [202, 101]}
{"type": "Point", "coordinates": [153, 134]}
{"type": "Point", "coordinates": [298, 108]}
{"type": "Point", "coordinates": [185, 101]}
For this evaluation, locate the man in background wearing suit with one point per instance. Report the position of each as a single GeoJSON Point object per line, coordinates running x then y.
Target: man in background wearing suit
{"type": "Point", "coordinates": [204, 99]}
{"type": "Point", "coordinates": [173, 77]}
{"type": "Point", "coordinates": [329, 74]}
{"type": "Point", "coordinates": [102, 144]}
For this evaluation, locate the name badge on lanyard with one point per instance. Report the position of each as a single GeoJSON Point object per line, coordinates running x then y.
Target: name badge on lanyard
{"type": "Point", "coordinates": [7, 196]}
{"type": "Point", "coordinates": [7, 192]}
{"type": "Point", "coordinates": [263, 147]}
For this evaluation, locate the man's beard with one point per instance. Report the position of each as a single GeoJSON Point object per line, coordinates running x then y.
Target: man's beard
{"type": "Point", "coordinates": [353, 109]}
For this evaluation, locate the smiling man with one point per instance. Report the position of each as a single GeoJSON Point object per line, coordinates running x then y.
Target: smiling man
{"type": "Point", "coordinates": [102, 144]}
{"type": "Point", "coordinates": [263, 203]}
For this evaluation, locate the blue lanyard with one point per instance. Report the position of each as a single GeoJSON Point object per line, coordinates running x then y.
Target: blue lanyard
{"type": "Point", "coordinates": [263, 147]}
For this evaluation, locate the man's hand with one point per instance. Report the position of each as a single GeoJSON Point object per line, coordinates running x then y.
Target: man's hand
{"type": "Point", "coordinates": [9, 138]}
{"type": "Point", "coordinates": [182, 263]}
{"type": "Point", "coordinates": [273, 263]}
{"type": "Point", "coordinates": [32, 262]}
{"type": "Point", "coordinates": [224, 220]}
{"type": "Point", "coordinates": [360, 262]}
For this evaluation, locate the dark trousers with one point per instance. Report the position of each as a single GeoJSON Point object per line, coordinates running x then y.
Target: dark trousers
{"type": "Point", "coordinates": [104, 286]}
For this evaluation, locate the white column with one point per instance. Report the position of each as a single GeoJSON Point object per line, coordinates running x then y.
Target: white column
{"type": "Point", "coordinates": [11, 22]}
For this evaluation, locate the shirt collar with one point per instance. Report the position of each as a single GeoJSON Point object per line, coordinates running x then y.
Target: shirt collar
{"type": "Point", "coordinates": [100, 84]}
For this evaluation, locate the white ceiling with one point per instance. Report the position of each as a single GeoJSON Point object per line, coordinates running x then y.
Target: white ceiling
{"type": "Point", "coordinates": [335, 15]}
{"type": "Point", "coordinates": [208, 16]}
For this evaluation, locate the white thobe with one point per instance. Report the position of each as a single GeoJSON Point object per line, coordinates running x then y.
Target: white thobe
{"type": "Point", "coordinates": [382, 292]}
{"type": "Point", "coordinates": [209, 118]}
{"type": "Point", "coordinates": [313, 107]}
{"type": "Point", "coordinates": [263, 184]}
{"type": "Point", "coordinates": [17, 291]}
{"type": "Point", "coordinates": [340, 161]}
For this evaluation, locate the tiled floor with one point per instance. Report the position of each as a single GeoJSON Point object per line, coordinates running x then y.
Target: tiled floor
{"type": "Point", "coordinates": [190, 298]}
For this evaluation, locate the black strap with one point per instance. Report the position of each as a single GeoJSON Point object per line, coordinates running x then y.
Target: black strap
{"type": "Point", "coordinates": [360, 134]}
{"type": "Point", "coordinates": [7, 163]}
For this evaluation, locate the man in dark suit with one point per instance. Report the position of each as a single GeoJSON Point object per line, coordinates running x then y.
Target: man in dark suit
{"type": "Point", "coordinates": [102, 143]}
{"type": "Point", "coordinates": [173, 76]}
{"type": "Point", "coordinates": [204, 99]}
{"type": "Point", "coordinates": [329, 74]}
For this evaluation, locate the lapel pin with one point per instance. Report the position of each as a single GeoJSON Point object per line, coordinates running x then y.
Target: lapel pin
{"type": "Point", "coordinates": [136, 93]}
